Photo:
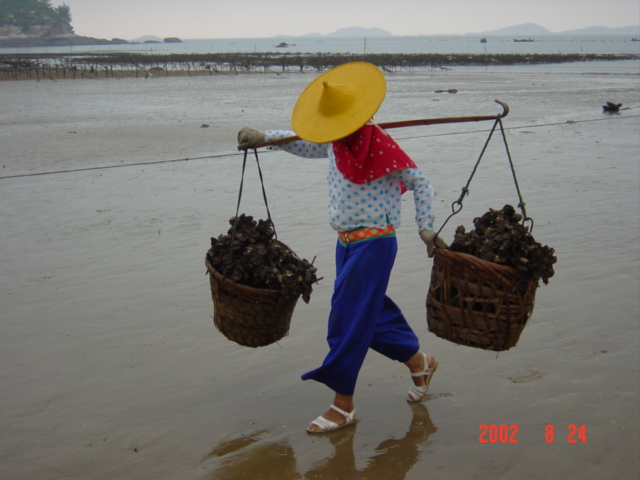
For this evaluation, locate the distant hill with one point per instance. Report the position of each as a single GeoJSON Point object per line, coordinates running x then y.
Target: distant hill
{"type": "Point", "coordinates": [359, 32]}
{"type": "Point", "coordinates": [346, 32]}
{"type": "Point", "coordinates": [523, 30]}
{"type": "Point", "coordinates": [531, 29]}
{"type": "Point", "coordinates": [147, 38]}
{"type": "Point", "coordinates": [154, 39]}
{"type": "Point", "coordinates": [633, 31]}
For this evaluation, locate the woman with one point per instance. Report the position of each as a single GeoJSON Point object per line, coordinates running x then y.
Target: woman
{"type": "Point", "coordinates": [368, 173]}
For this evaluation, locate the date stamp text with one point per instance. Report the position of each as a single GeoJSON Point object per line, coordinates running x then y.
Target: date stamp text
{"type": "Point", "coordinates": [509, 434]}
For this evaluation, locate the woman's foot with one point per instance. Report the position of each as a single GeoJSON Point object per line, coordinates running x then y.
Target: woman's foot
{"type": "Point", "coordinates": [422, 368]}
{"type": "Point", "coordinates": [324, 423]}
{"type": "Point", "coordinates": [340, 414]}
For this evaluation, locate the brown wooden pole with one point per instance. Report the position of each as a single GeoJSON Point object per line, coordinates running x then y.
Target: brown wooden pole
{"type": "Point", "coordinates": [407, 123]}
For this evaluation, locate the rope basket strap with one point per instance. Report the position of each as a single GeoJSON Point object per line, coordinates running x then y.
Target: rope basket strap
{"type": "Point", "coordinates": [248, 316]}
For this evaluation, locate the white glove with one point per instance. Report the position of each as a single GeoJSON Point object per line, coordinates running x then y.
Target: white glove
{"type": "Point", "coordinates": [249, 137]}
{"type": "Point", "coordinates": [432, 240]}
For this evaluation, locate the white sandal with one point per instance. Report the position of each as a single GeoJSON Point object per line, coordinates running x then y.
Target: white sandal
{"type": "Point", "coordinates": [325, 425]}
{"type": "Point", "coordinates": [418, 393]}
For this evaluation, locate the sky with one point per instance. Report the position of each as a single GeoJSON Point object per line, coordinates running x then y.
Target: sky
{"type": "Point", "coordinates": [192, 19]}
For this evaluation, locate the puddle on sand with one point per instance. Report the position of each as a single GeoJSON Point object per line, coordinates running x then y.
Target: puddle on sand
{"type": "Point", "coordinates": [275, 459]}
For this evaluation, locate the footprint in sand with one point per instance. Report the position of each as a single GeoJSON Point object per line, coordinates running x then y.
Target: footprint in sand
{"type": "Point", "coordinates": [432, 396]}
{"type": "Point", "coordinates": [528, 378]}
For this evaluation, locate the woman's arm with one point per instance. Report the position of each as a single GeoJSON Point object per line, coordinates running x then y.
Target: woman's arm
{"type": "Point", "coordinates": [301, 148]}
{"type": "Point", "coordinates": [415, 181]}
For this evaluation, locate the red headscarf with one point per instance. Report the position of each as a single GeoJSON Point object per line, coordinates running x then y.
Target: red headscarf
{"type": "Point", "coordinates": [368, 154]}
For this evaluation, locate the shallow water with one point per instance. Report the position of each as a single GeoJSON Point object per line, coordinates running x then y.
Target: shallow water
{"type": "Point", "coordinates": [111, 366]}
{"type": "Point", "coordinates": [542, 44]}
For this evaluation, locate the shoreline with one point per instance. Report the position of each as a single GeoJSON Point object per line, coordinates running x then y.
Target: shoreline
{"type": "Point", "coordinates": [59, 41]}
{"type": "Point", "coordinates": [42, 66]}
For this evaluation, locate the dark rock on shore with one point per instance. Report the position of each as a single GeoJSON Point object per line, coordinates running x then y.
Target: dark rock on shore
{"type": "Point", "coordinates": [67, 40]}
{"type": "Point", "coordinates": [55, 41]}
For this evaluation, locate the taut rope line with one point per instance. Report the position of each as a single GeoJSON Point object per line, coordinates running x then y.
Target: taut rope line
{"type": "Point", "coordinates": [224, 155]}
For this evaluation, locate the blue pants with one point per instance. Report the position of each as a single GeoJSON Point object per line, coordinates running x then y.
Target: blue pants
{"type": "Point", "coordinates": [362, 316]}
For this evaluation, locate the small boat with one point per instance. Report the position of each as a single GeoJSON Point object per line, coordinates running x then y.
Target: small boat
{"type": "Point", "coordinates": [282, 45]}
{"type": "Point", "coordinates": [483, 40]}
{"type": "Point", "coordinates": [523, 39]}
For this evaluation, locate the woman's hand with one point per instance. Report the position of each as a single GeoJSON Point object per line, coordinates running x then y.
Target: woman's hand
{"type": "Point", "coordinates": [249, 137]}
{"type": "Point", "coordinates": [432, 240]}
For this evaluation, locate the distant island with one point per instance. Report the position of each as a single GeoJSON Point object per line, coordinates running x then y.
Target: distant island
{"type": "Point", "coordinates": [36, 23]}
{"type": "Point", "coordinates": [524, 30]}
{"type": "Point", "coordinates": [531, 29]}
{"type": "Point", "coordinates": [34, 18]}
{"type": "Point", "coordinates": [347, 32]}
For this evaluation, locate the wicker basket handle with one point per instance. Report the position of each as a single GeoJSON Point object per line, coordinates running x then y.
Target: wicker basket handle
{"type": "Point", "coordinates": [264, 196]}
{"type": "Point", "coordinates": [457, 205]}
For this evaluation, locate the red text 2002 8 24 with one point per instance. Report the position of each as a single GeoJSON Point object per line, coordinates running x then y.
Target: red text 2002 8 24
{"type": "Point", "coordinates": [509, 434]}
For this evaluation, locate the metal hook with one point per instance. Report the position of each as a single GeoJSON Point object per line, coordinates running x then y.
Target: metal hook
{"type": "Point", "coordinates": [505, 109]}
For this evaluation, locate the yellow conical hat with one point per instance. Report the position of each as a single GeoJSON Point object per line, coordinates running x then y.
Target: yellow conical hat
{"type": "Point", "coordinates": [339, 102]}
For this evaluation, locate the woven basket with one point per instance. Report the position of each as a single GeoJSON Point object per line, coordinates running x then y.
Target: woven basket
{"type": "Point", "coordinates": [477, 303]}
{"type": "Point", "coordinates": [251, 317]}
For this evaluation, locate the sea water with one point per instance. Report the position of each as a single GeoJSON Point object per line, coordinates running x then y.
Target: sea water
{"type": "Point", "coordinates": [548, 44]}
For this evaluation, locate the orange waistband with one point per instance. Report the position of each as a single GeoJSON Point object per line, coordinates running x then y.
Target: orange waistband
{"type": "Point", "coordinates": [366, 233]}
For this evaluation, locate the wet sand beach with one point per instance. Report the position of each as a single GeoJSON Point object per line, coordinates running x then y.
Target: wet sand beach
{"type": "Point", "coordinates": [111, 367]}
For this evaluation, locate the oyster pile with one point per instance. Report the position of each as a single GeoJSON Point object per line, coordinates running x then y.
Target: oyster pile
{"type": "Point", "coordinates": [499, 237]}
{"type": "Point", "coordinates": [256, 259]}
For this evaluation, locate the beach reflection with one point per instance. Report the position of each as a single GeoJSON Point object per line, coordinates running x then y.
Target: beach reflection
{"type": "Point", "coordinates": [258, 458]}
